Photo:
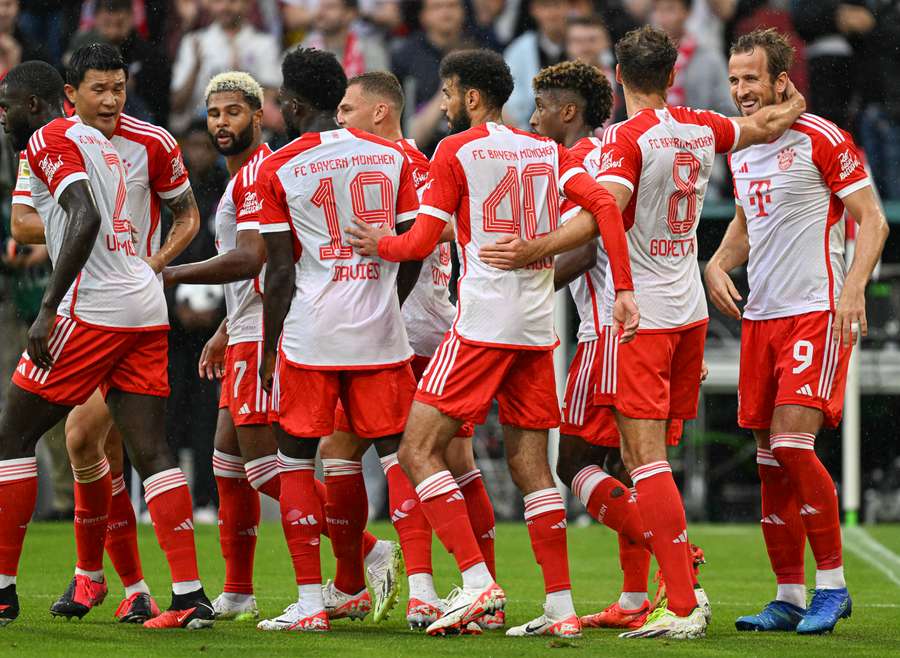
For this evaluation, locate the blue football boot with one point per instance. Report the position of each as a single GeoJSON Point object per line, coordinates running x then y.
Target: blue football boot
{"type": "Point", "coordinates": [776, 616]}
{"type": "Point", "coordinates": [826, 607]}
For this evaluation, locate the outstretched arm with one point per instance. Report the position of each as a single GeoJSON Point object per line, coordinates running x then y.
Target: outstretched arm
{"type": "Point", "coordinates": [414, 244]}
{"type": "Point", "coordinates": [82, 228]}
{"type": "Point", "coordinates": [243, 262]}
{"type": "Point", "coordinates": [279, 290]}
{"type": "Point", "coordinates": [732, 252]}
{"type": "Point", "coordinates": [185, 225]}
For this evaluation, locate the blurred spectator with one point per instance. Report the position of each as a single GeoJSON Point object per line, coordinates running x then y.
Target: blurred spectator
{"type": "Point", "coordinates": [230, 42]}
{"type": "Point", "coordinates": [15, 47]}
{"type": "Point", "coordinates": [114, 23]}
{"type": "Point", "coordinates": [89, 18]}
{"type": "Point", "coordinates": [587, 40]}
{"type": "Point", "coordinates": [531, 52]}
{"type": "Point", "coordinates": [337, 31]}
{"type": "Point", "coordinates": [707, 22]}
{"type": "Point", "coordinates": [416, 61]}
{"type": "Point", "coordinates": [502, 20]}
{"type": "Point", "coordinates": [831, 29]}
{"type": "Point", "coordinates": [701, 74]}
{"type": "Point", "coordinates": [386, 15]}
{"type": "Point", "coordinates": [50, 22]}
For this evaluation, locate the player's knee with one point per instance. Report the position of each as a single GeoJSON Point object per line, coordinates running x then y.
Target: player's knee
{"type": "Point", "coordinates": [83, 448]}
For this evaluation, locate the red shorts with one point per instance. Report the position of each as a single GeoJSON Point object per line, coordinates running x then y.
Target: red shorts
{"type": "Point", "coordinates": [420, 365]}
{"type": "Point", "coordinates": [463, 379]}
{"type": "Point", "coordinates": [86, 358]}
{"type": "Point", "coordinates": [378, 401]}
{"type": "Point", "coordinates": [657, 375]}
{"type": "Point", "coordinates": [790, 360]}
{"type": "Point", "coordinates": [242, 391]}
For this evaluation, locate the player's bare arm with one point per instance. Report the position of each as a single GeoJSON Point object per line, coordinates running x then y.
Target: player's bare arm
{"type": "Point", "coordinates": [243, 262]}
{"type": "Point", "coordinates": [81, 231]}
{"type": "Point", "coordinates": [279, 290]}
{"type": "Point", "coordinates": [732, 252]}
{"type": "Point", "coordinates": [770, 123]}
{"type": "Point", "coordinates": [572, 264]}
{"type": "Point", "coordinates": [185, 225]}
{"type": "Point", "coordinates": [25, 224]}
{"type": "Point", "coordinates": [873, 232]}
{"type": "Point", "coordinates": [212, 358]}
{"type": "Point", "coordinates": [408, 272]}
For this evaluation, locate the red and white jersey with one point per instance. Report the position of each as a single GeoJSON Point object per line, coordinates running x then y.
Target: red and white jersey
{"type": "Point", "coordinates": [115, 289]}
{"type": "Point", "coordinates": [427, 311]}
{"type": "Point", "coordinates": [791, 191]}
{"type": "Point", "coordinates": [587, 290]}
{"type": "Point", "coordinates": [492, 180]}
{"type": "Point", "coordinates": [665, 158]}
{"type": "Point", "coordinates": [345, 313]}
{"type": "Point", "coordinates": [155, 170]}
{"type": "Point", "coordinates": [238, 210]}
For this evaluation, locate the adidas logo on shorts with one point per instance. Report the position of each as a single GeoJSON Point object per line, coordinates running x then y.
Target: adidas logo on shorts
{"type": "Point", "coordinates": [245, 409]}
{"type": "Point", "coordinates": [806, 390]}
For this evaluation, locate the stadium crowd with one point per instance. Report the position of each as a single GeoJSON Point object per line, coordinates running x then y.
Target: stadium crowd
{"type": "Point", "coordinates": [196, 65]}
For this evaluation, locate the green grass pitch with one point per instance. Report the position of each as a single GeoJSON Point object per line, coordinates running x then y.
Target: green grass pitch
{"type": "Point", "coordinates": [736, 578]}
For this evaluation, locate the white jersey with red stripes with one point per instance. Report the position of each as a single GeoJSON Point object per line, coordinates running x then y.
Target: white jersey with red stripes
{"type": "Point", "coordinates": [492, 180]}
{"type": "Point", "coordinates": [427, 311]}
{"type": "Point", "coordinates": [238, 210]}
{"type": "Point", "coordinates": [790, 191]}
{"type": "Point", "coordinates": [345, 313]}
{"type": "Point", "coordinates": [588, 289]}
{"type": "Point", "coordinates": [665, 157]}
{"type": "Point", "coordinates": [115, 289]}
{"type": "Point", "coordinates": [156, 173]}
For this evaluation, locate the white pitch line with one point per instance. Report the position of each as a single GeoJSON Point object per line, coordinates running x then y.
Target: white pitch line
{"type": "Point", "coordinates": [872, 552]}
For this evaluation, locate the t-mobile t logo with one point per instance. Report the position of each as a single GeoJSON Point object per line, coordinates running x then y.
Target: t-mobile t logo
{"type": "Point", "coordinates": [759, 196]}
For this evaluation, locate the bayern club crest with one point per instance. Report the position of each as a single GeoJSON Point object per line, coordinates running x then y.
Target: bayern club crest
{"type": "Point", "coordinates": [785, 158]}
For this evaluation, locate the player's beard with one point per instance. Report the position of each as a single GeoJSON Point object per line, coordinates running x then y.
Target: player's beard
{"type": "Point", "coordinates": [239, 143]}
{"type": "Point", "coordinates": [460, 123]}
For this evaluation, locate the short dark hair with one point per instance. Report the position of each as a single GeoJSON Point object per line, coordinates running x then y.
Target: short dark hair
{"type": "Point", "coordinates": [315, 76]}
{"type": "Point", "coordinates": [646, 57]}
{"type": "Point", "coordinates": [779, 51]}
{"type": "Point", "coordinates": [483, 70]}
{"type": "Point", "coordinates": [592, 20]}
{"type": "Point", "coordinates": [38, 78]}
{"type": "Point", "coordinates": [380, 83]}
{"type": "Point", "coordinates": [113, 6]}
{"type": "Point", "coordinates": [584, 80]}
{"type": "Point", "coordinates": [94, 57]}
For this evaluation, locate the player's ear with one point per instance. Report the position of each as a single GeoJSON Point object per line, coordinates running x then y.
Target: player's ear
{"type": "Point", "coordinates": [472, 98]}
{"type": "Point", "coordinates": [618, 74]}
{"type": "Point", "coordinates": [671, 80]}
{"type": "Point", "coordinates": [257, 117]}
{"type": "Point", "coordinates": [781, 83]}
{"type": "Point", "coordinates": [569, 111]}
{"type": "Point", "coordinates": [70, 93]}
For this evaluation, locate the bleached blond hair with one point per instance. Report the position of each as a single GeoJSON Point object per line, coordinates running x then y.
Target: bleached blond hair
{"type": "Point", "coordinates": [240, 82]}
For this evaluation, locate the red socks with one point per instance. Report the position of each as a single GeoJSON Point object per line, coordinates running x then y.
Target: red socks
{"type": "Point", "coordinates": [663, 515]}
{"type": "Point", "coordinates": [238, 521]}
{"type": "Point", "coordinates": [445, 508]}
{"type": "Point", "coordinates": [545, 516]}
{"type": "Point", "coordinates": [609, 502]}
{"type": "Point", "coordinates": [481, 515]}
{"type": "Point", "coordinates": [263, 475]}
{"type": "Point", "coordinates": [815, 494]}
{"type": "Point", "coordinates": [346, 512]}
{"type": "Point", "coordinates": [782, 526]}
{"type": "Point", "coordinates": [301, 517]}
{"type": "Point", "coordinates": [18, 491]}
{"type": "Point", "coordinates": [169, 501]}
{"type": "Point", "coordinates": [635, 562]}
{"type": "Point", "coordinates": [121, 534]}
{"type": "Point", "coordinates": [93, 490]}
{"type": "Point", "coordinates": [408, 518]}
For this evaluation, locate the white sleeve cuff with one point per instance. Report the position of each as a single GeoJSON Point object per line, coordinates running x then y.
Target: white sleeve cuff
{"type": "Point", "coordinates": [406, 216]}
{"type": "Point", "coordinates": [280, 227]}
{"type": "Point", "coordinates": [854, 187]}
{"type": "Point", "coordinates": [68, 180]}
{"type": "Point", "coordinates": [435, 212]}
{"type": "Point", "coordinates": [737, 134]}
{"type": "Point", "coordinates": [23, 200]}
{"type": "Point", "coordinates": [248, 226]}
{"type": "Point", "coordinates": [616, 179]}
{"type": "Point", "coordinates": [178, 191]}
{"type": "Point", "coordinates": [569, 214]}
{"type": "Point", "coordinates": [574, 171]}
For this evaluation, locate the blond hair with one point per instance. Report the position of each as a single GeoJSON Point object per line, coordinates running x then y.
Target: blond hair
{"type": "Point", "coordinates": [237, 81]}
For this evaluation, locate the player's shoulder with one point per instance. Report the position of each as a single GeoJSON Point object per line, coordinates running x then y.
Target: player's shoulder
{"type": "Point", "coordinates": [821, 130]}
{"type": "Point", "coordinates": [584, 147]}
{"type": "Point", "coordinates": [280, 157]}
{"type": "Point", "coordinates": [450, 145]}
{"type": "Point", "coordinates": [51, 132]}
{"type": "Point", "coordinates": [146, 133]}
{"type": "Point", "coordinates": [631, 128]}
{"type": "Point", "coordinates": [246, 175]}
{"type": "Point", "coordinates": [412, 152]}
{"type": "Point", "coordinates": [684, 114]}
{"type": "Point", "coordinates": [372, 139]}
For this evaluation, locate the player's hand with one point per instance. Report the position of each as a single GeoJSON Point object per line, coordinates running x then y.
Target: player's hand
{"type": "Point", "coordinates": [851, 310]}
{"type": "Point", "coordinates": [365, 237]}
{"type": "Point", "coordinates": [267, 371]}
{"type": "Point", "coordinates": [212, 358]}
{"type": "Point", "coordinates": [704, 371]}
{"type": "Point", "coordinates": [155, 263]}
{"type": "Point", "coordinates": [722, 291]}
{"type": "Point", "coordinates": [39, 339]}
{"type": "Point", "coordinates": [509, 252]}
{"type": "Point", "coordinates": [626, 317]}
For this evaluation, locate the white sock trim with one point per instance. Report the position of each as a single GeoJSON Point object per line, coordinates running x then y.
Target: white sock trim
{"type": "Point", "coordinates": [559, 605]}
{"type": "Point", "coordinates": [6, 581]}
{"type": "Point", "coordinates": [286, 463]}
{"type": "Point", "coordinates": [164, 481]}
{"type": "Point", "coordinates": [140, 587]}
{"type": "Point", "coordinates": [798, 440]}
{"type": "Point", "coordinates": [794, 594]}
{"type": "Point", "coordinates": [18, 469]}
{"type": "Point", "coordinates": [259, 471]}
{"type": "Point", "coordinates": [766, 458]}
{"type": "Point", "coordinates": [388, 462]}
{"type": "Point", "coordinates": [118, 484]}
{"type": "Point", "coordinates": [96, 576]}
{"type": "Point", "coordinates": [467, 478]}
{"type": "Point", "coordinates": [437, 484]}
{"type": "Point", "coordinates": [632, 600]}
{"type": "Point", "coordinates": [186, 587]}
{"type": "Point", "coordinates": [228, 466]}
{"type": "Point", "coordinates": [337, 467]}
{"type": "Point", "coordinates": [92, 473]}
{"type": "Point", "coordinates": [586, 480]}
{"type": "Point", "coordinates": [830, 578]}
{"type": "Point", "coordinates": [650, 470]}
{"type": "Point", "coordinates": [477, 577]}
{"type": "Point", "coordinates": [543, 501]}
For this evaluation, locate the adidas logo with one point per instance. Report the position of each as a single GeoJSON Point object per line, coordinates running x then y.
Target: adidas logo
{"type": "Point", "coordinates": [309, 519]}
{"type": "Point", "coordinates": [187, 524]}
{"type": "Point", "coordinates": [773, 519]}
{"type": "Point", "coordinates": [559, 526]}
{"type": "Point", "coordinates": [806, 390]}
{"type": "Point", "coordinates": [397, 515]}
{"type": "Point", "coordinates": [744, 169]}
{"type": "Point", "coordinates": [808, 510]}
{"type": "Point", "coordinates": [245, 409]}
{"type": "Point", "coordinates": [681, 538]}
{"type": "Point", "coordinates": [249, 532]}
{"type": "Point", "coordinates": [490, 534]}
{"type": "Point", "coordinates": [21, 369]}
{"type": "Point", "coordinates": [457, 495]}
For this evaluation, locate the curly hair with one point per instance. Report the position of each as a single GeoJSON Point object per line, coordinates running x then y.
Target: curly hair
{"type": "Point", "coordinates": [583, 80]}
{"type": "Point", "coordinates": [483, 70]}
{"type": "Point", "coordinates": [646, 59]}
{"type": "Point", "coordinates": [315, 76]}
{"type": "Point", "coordinates": [237, 81]}
{"type": "Point", "coordinates": [779, 51]}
